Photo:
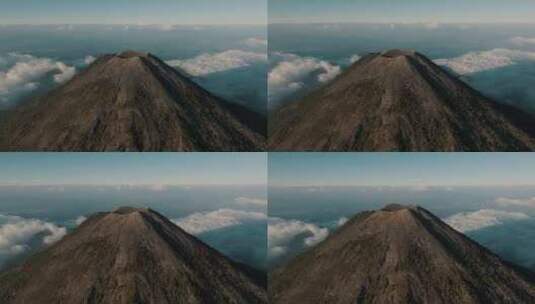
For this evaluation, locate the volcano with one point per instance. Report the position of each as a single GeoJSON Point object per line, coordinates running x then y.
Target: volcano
{"type": "Point", "coordinates": [131, 101]}
{"type": "Point", "coordinates": [399, 100]}
{"type": "Point", "coordinates": [127, 256]}
{"type": "Point", "coordinates": [400, 255]}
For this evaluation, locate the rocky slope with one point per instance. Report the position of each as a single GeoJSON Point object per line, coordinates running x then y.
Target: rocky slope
{"type": "Point", "coordinates": [131, 256]}
{"type": "Point", "coordinates": [400, 255]}
{"type": "Point", "coordinates": [131, 101]}
{"type": "Point", "coordinates": [399, 101]}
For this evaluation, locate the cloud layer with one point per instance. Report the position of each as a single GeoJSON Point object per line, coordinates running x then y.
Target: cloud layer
{"type": "Point", "coordinates": [26, 71]}
{"type": "Point", "coordinates": [205, 64]}
{"type": "Point", "coordinates": [518, 202]}
{"type": "Point", "coordinates": [475, 62]}
{"type": "Point", "coordinates": [201, 222]}
{"type": "Point", "coordinates": [291, 73]}
{"type": "Point", "coordinates": [252, 201]}
{"type": "Point", "coordinates": [521, 41]}
{"type": "Point", "coordinates": [16, 232]}
{"type": "Point", "coordinates": [281, 232]}
{"type": "Point", "coordinates": [469, 221]}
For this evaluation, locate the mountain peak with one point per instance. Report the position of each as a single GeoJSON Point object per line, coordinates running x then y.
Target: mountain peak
{"type": "Point", "coordinates": [132, 54]}
{"type": "Point", "coordinates": [400, 256]}
{"type": "Point", "coordinates": [398, 53]}
{"type": "Point", "coordinates": [398, 207]}
{"type": "Point", "coordinates": [128, 210]}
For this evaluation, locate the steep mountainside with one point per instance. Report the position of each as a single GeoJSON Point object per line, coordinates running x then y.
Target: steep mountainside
{"type": "Point", "coordinates": [400, 255]}
{"type": "Point", "coordinates": [131, 102]}
{"type": "Point", "coordinates": [399, 101]}
{"type": "Point", "coordinates": [131, 256]}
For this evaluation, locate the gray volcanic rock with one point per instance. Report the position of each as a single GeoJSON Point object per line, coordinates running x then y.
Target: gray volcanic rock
{"type": "Point", "coordinates": [400, 255]}
{"type": "Point", "coordinates": [131, 101]}
{"type": "Point", "coordinates": [131, 256]}
{"type": "Point", "coordinates": [399, 100]}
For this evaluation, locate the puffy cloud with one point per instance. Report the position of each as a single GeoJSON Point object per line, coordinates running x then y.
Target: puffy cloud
{"type": "Point", "coordinates": [469, 221]}
{"type": "Point", "coordinates": [26, 69]}
{"type": "Point", "coordinates": [256, 42]}
{"type": "Point", "coordinates": [16, 231]}
{"type": "Point", "coordinates": [290, 74]}
{"type": "Point", "coordinates": [201, 222]}
{"type": "Point", "coordinates": [79, 220]}
{"type": "Point", "coordinates": [520, 202]}
{"type": "Point", "coordinates": [474, 62]}
{"type": "Point", "coordinates": [205, 64]}
{"type": "Point", "coordinates": [521, 41]}
{"type": "Point", "coordinates": [251, 201]}
{"type": "Point", "coordinates": [281, 232]}
{"type": "Point", "coordinates": [89, 59]}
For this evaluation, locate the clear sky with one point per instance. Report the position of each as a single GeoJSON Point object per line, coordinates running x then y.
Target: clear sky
{"type": "Point", "coordinates": [392, 11]}
{"type": "Point", "coordinates": [401, 169]}
{"type": "Point", "coordinates": [133, 11]}
{"type": "Point", "coordinates": [133, 168]}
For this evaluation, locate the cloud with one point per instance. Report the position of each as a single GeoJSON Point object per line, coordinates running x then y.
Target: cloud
{"type": "Point", "coordinates": [292, 72]}
{"type": "Point", "coordinates": [256, 42]}
{"type": "Point", "coordinates": [26, 70]}
{"type": "Point", "coordinates": [431, 25]}
{"type": "Point", "coordinates": [201, 222]}
{"type": "Point", "coordinates": [79, 220]}
{"type": "Point", "coordinates": [342, 221]}
{"type": "Point", "coordinates": [16, 231]}
{"type": "Point", "coordinates": [520, 202]}
{"type": "Point", "coordinates": [469, 221]}
{"type": "Point", "coordinates": [354, 58]}
{"type": "Point", "coordinates": [89, 59]}
{"type": "Point", "coordinates": [521, 41]}
{"type": "Point", "coordinates": [475, 62]}
{"type": "Point", "coordinates": [281, 232]}
{"type": "Point", "coordinates": [251, 201]}
{"type": "Point", "coordinates": [205, 64]}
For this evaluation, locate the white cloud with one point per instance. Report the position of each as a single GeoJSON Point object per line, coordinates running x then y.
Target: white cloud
{"type": "Point", "coordinates": [157, 187]}
{"type": "Point", "coordinates": [26, 69]}
{"type": "Point", "coordinates": [205, 64]}
{"type": "Point", "coordinates": [469, 221]}
{"type": "Point", "coordinates": [281, 232]}
{"type": "Point", "coordinates": [290, 74]}
{"type": "Point", "coordinates": [251, 201]}
{"type": "Point", "coordinates": [16, 231]}
{"type": "Point", "coordinates": [200, 222]}
{"type": "Point", "coordinates": [79, 220]}
{"type": "Point", "coordinates": [520, 202]}
{"type": "Point", "coordinates": [474, 62]}
{"type": "Point", "coordinates": [89, 59]}
{"type": "Point", "coordinates": [256, 42]}
{"type": "Point", "coordinates": [342, 221]}
{"type": "Point", "coordinates": [521, 41]}
{"type": "Point", "coordinates": [354, 58]}
{"type": "Point", "coordinates": [431, 25]}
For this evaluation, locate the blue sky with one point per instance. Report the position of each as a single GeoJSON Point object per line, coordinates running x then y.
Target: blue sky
{"type": "Point", "coordinates": [447, 11]}
{"type": "Point", "coordinates": [133, 168]}
{"type": "Point", "coordinates": [133, 12]}
{"type": "Point", "coordinates": [401, 169]}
